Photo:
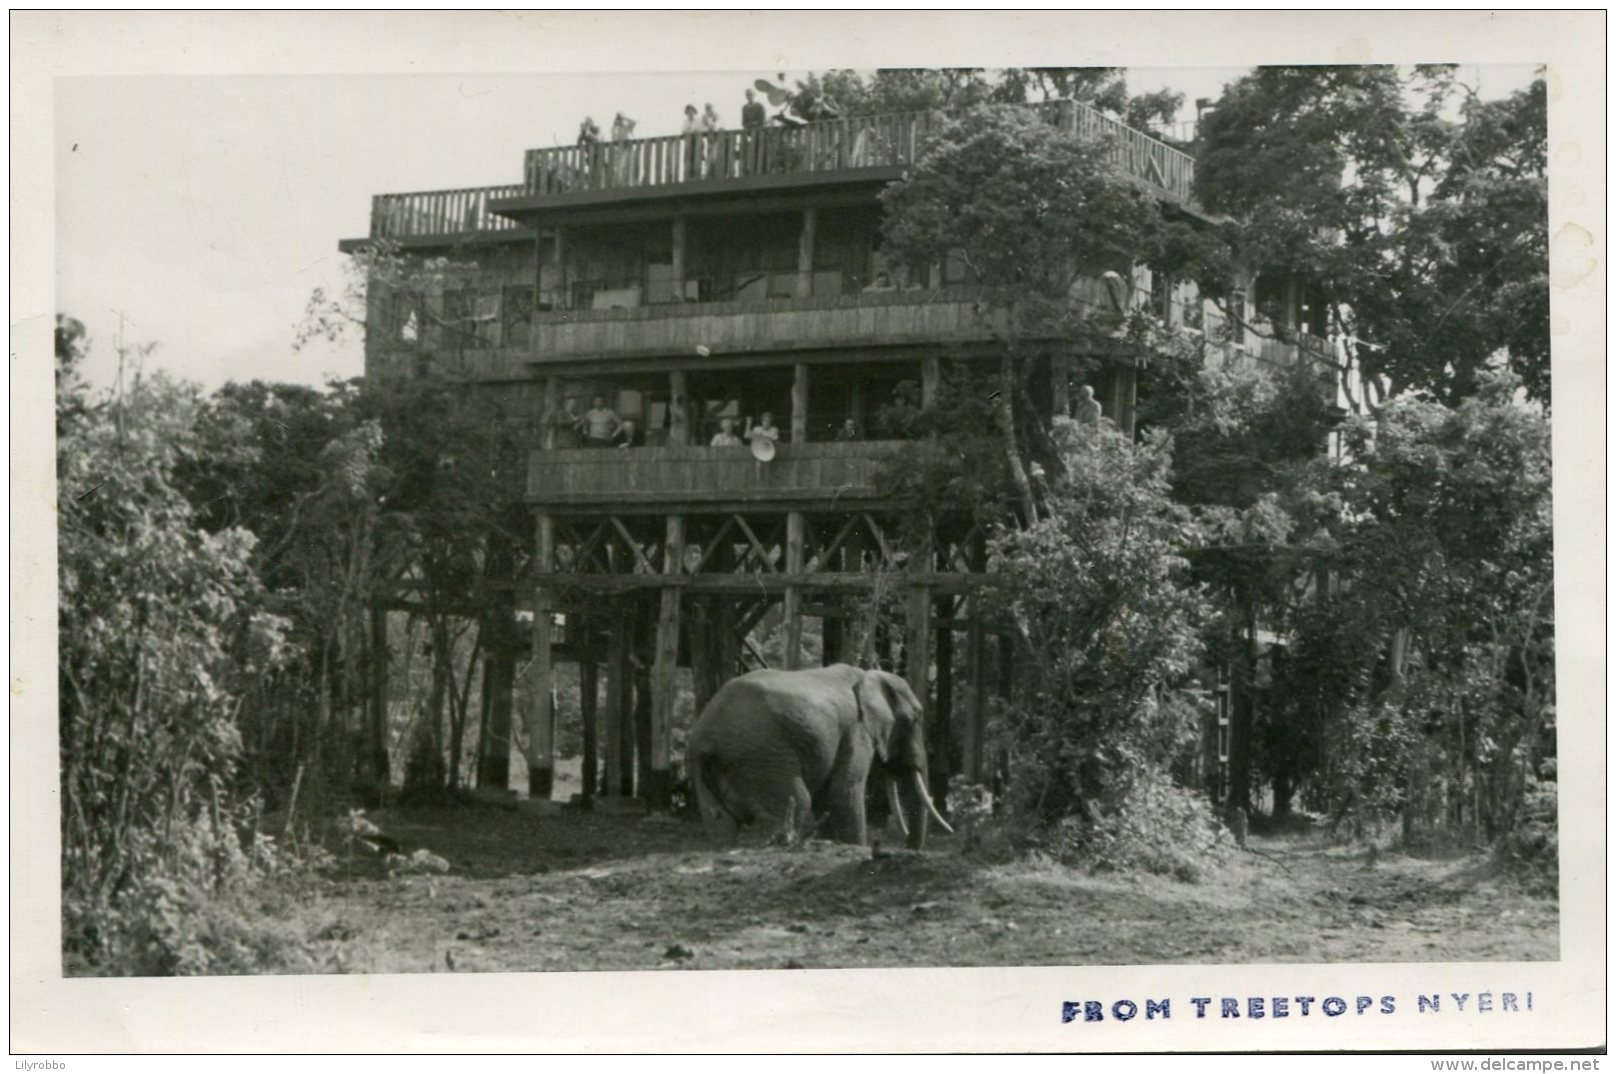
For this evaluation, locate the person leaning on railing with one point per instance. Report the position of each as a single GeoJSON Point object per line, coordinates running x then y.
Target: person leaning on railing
{"type": "Point", "coordinates": [725, 436]}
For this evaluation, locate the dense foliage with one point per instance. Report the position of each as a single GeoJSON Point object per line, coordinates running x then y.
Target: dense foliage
{"type": "Point", "coordinates": [1377, 584]}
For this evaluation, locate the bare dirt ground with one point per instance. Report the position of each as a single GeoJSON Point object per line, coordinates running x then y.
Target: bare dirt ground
{"type": "Point", "coordinates": [581, 891]}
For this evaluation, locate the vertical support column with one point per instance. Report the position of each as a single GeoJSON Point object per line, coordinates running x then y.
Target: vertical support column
{"type": "Point", "coordinates": [831, 632]}
{"type": "Point", "coordinates": [795, 525]}
{"type": "Point", "coordinates": [942, 737]}
{"type": "Point", "coordinates": [549, 417]}
{"type": "Point", "coordinates": [678, 409]}
{"type": "Point", "coordinates": [541, 713]}
{"type": "Point", "coordinates": [799, 403]}
{"type": "Point", "coordinates": [588, 707]}
{"type": "Point", "coordinates": [931, 379]}
{"type": "Point", "coordinates": [563, 296]}
{"type": "Point", "coordinates": [976, 711]}
{"type": "Point", "coordinates": [917, 667]}
{"type": "Point", "coordinates": [679, 257]}
{"type": "Point", "coordinates": [617, 690]}
{"type": "Point", "coordinates": [805, 253]}
{"type": "Point", "coordinates": [665, 671]}
{"type": "Point", "coordinates": [377, 764]}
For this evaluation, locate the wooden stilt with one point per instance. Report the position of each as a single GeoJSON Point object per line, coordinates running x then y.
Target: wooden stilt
{"type": "Point", "coordinates": [616, 689]}
{"type": "Point", "coordinates": [793, 595]}
{"type": "Point", "coordinates": [942, 721]}
{"type": "Point", "coordinates": [665, 687]}
{"type": "Point", "coordinates": [541, 712]}
{"type": "Point", "coordinates": [977, 707]}
{"type": "Point", "coordinates": [588, 707]}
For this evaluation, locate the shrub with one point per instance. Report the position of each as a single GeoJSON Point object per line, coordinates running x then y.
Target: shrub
{"type": "Point", "coordinates": [1145, 824]}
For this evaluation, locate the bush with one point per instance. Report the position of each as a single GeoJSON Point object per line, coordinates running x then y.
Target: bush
{"type": "Point", "coordinates": [1148, 824]}
{"type": "Point", "coordinates": [1532, 845]}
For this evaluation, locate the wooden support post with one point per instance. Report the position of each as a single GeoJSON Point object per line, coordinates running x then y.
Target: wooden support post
{"type": "Point", "coordinates": [494, 749]}
{"type": "Point", "coordinates": [378, 767]}
{"type": "Point", "coordinates": [549, 411]}
{"type": "Point", "coordinates": [941, 740]}
{"type": "Point", "coordinates": [638, 733]}
{"type": "Point", "coordinates": [833, 628]}
{"type": "Point", "coordinates": [679, 257]}
{"type": "Point", "coordinates": [616, 697]}
{"type": "Point", "coordinates": [563, 297]}
{"type": "Point", "coordinates": [588, 708]}
{"type": "Point", "coordinates": [805, 253]}
{"type": "Point", "coordinates": [665, 686]}
{"type": "Point", "coordinates": [931, 379]}
{"type": "Point", "coordinates": [541, 712]}
{"type": "Point", "coordinates": [699, 632]}
{"type": "Point", "coordinates": [799, 403]}
{"type": "Point", "coordinates": [678, 409]}
{"type": "Point", "coordinates": [977, 710]}
{"type": "Point", "coordinates": [792, 610]}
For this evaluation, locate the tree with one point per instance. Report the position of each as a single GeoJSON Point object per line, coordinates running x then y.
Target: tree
{"type": "Point", "coordinates": [1031, 210]}
{"type": "Point", "coordinates": [1416, 210]}
{"type": "Point", "coordinates": [162, 629]}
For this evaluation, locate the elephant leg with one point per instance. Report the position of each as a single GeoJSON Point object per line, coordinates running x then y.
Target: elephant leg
{"type": "Point", "coordinates": [846, 814]}
{"type": "Point", "coordinates": [797, 820]}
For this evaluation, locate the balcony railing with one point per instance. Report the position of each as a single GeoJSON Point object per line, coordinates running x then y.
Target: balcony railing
{"type": "Point", "coordinates": [840, 471]}
{"type": "Point", "coordinates": [439, 212]}
{"type": "Point", "coordinates": [862, 319]}
{"type": "Point", "coordinates": [863, 142]}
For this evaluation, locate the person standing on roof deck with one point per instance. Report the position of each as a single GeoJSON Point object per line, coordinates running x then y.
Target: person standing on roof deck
{"type": "Point", "coordinates": [622, 131]}
{"type": "Point", "coordinates": [692, 136]}
{"type": "Point", "coordinates": [753, 118]}
{"type": "Point", "coordinates": [711, 164]}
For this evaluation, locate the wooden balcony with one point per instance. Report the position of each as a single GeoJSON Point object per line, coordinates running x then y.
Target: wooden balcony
{"type": "Point", "coordinates": [655, 477]}
{"type": "Point", "coordinates": [852, 320]}
{"type": "Point", "coordinates": [443, 214]}
{"type": "Point", "coordinates": [875, 147]}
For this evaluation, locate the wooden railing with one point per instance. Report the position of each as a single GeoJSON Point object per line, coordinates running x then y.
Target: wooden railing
{"type": "Point", "coordinates": [826, 146]}
{"type": "Point", "coordinates": [776, 324]}
{"type": "Point", "coordinates": [842, 471]}
{"type": "Point", "coordinates": [439, 212]}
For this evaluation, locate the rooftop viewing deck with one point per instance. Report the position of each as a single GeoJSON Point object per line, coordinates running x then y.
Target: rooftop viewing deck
{"type": "Point", "coordinates": [863, 147]}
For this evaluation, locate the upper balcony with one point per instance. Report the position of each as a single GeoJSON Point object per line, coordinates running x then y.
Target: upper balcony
{"type": "Point", "coordinates": [860, 149]}
{"type": "Point", "coordinates": [829, 151]}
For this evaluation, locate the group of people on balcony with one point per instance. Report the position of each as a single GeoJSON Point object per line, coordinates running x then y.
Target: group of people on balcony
{"type": "Point", "coordinates": [601, 427]}
{"type": "Point", "coordinates": [706, 154]}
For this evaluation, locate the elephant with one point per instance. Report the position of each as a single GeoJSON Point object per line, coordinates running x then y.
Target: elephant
{"type": "Point", "coordinates": [792, 750]}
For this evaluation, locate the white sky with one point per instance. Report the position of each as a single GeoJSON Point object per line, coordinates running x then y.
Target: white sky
{"type": "Point", "coordinates": [207, 209]}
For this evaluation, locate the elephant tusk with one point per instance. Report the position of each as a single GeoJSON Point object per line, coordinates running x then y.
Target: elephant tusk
{"type": "Point", "coordinates": [931, 807]}
{"type": "Point", "coordinates": [896, 806]}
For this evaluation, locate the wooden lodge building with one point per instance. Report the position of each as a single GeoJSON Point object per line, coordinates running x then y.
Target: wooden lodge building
{"type": "Point", "coordinates": [688, 282]}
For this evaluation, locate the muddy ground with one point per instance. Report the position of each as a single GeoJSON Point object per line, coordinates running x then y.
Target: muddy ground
{"type": "Point", "coordinates": [582, 891]}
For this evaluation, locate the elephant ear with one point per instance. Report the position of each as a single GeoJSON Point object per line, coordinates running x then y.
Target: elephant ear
{"type": "Point", "coordinates": [876, 709]}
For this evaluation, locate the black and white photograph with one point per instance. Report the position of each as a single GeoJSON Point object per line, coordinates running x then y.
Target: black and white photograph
{"type": "Point", "coordinates": [804, 511]}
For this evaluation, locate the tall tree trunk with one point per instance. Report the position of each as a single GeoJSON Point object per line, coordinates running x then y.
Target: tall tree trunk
{"type": "Point", "coordinates": [1004, 408]}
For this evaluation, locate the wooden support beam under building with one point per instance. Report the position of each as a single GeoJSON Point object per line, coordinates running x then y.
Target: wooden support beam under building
{"type": "Point", "coordinates": [589, 714]}
{"type": "Point", "coordinates": [617, 688]}
{"type": "Point", "coordinates": [665, 673]}
{"type": "Point", "coordinates": [793, 594]}
{"type": "Point", "coordinates": [541, 710]}
{"type": "Point", "coordinates": [941, 741]}
{"type": "Point", "coordinates": [976, 708]}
